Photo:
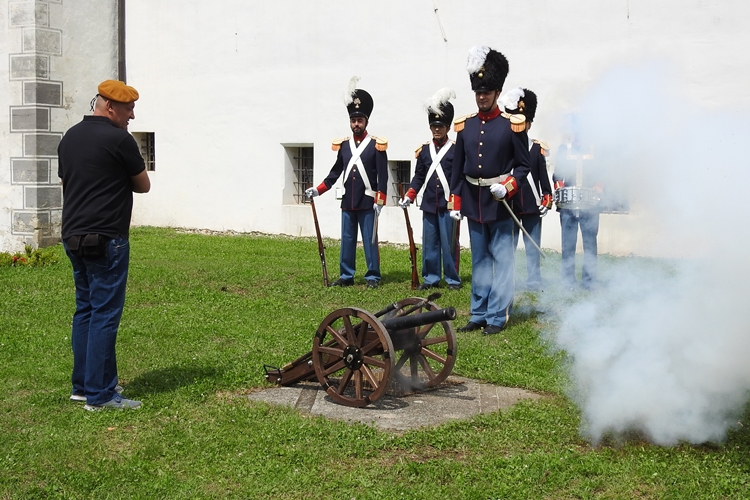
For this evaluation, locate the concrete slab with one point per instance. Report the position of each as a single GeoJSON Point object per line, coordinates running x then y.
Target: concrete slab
{"type": "Point", "coordinates": [455, 399]}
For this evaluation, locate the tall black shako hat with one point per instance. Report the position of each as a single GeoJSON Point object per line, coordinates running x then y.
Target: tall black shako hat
{"type": "Point", "coordinates": [487, 69]}
{"type": "Point", "coordinates": [439, 109]}
{"type": "Point", "coordinates": [520, 101]}
{"type": "Point", "coordinates": [358, 102]}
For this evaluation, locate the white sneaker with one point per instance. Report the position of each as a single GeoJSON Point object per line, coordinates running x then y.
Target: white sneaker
{"type": "Point", "coordinates": [81, 398]}
{"type": "Point", "coordinates": [117, 403]}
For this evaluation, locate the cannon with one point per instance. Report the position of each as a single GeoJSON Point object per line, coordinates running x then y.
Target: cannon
{"type": "Point", "coordinates": [358, 356]}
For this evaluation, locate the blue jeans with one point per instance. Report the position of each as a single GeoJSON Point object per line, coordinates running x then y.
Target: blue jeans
{"type": "Point", "coordinates": [437, 233]}
{"type": "Point", "coordinates": [350, 220]}
{"type": "Point", "coordinates": [589, 223]}
{"type": "Point", "coordinates": [492, 270]}
{"type": "Point", "coordinates": [100, 297]}
{"type": "Point", "coordinates": [533, 225]}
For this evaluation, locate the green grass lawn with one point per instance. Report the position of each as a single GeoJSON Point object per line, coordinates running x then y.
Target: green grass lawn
{"type": "Point", "coordinates": [204, 313]}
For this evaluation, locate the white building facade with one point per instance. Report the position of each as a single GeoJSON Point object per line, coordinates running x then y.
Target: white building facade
{"type": "Point", "coordinates": [238, 95]}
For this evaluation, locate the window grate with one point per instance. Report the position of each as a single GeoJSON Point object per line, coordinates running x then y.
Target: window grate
{"type": "Point", "coordinates": [146, 144]}
{"type": "Point", "coordinates": [303, 173]}
{"type": "Point", "coordinates": [401, 173]}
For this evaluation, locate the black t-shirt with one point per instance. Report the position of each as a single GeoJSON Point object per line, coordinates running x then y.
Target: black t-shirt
{"type": "Point", "coordinates": [96, 161]}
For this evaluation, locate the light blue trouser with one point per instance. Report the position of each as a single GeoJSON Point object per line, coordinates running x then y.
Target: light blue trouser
{"type": "Point", "coordinates": [350, 220]}
{"type": "Point", "coordinates": [589, 223]}
{"type": "Point", "coordinates": [533, 225]}
{"type": "Point", "coordinates": [492, 260]}
{"type": "Point", "coordinates": [437, 233]}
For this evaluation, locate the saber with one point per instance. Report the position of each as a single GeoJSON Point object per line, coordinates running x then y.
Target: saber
{"type": "Point", "coordinates": [375, 229]}
{"type": "Point", "coordinates": [518, 223]}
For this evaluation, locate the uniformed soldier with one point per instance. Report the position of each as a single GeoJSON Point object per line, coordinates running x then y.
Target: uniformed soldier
{"type": "Point", "coordinates": [490, 162]}
{"type": "Point", "coordinates": [578, 189]}
{"type": "Point", "coordinates": [430, 184]}
{"type": "Point", "coordinates": [363, 160]}
{"type": "Point", "coordinates": [535, 197]}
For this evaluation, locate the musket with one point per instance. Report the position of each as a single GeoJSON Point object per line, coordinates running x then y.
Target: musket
{"type": "Point", "coordinates": [412, 246]}
{"type": "Point", "coordinates": [321, 248]}
{"type": "Point", "coordinates": [518, 223]}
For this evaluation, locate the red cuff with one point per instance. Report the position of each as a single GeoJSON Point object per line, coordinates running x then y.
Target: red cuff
{"type": "Point", "coordinates": [411, 194]}
{"type": "Point", "coordinates": [380, 198]}
{"type": "Point", "coordinates": [454, 203]}
{"type": "Point", "coordinates": [322, 188]}
{"type": "Point", "coordinates": [559, 184]}
{"type": "Point", "coordinates": [547, 201]}
{"type": "Point", "coordinates": [511, 186]}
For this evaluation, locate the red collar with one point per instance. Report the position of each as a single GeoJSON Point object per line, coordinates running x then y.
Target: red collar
{"type": "Point", "coordinates": [491, 115]}
{"type": "Point", "coordinates": [360, 138]}
{"type": "Point", "coordinates": [439, 145]}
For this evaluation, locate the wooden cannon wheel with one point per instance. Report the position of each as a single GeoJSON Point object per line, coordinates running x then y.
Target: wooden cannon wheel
{"type": "Point", "coordinates": [352, 356]}
{"type": "Point", "coordinates": [424, 357]}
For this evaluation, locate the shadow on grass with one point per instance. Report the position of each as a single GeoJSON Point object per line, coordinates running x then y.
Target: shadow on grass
{"type": "Point", "coordinates": [172, 378]}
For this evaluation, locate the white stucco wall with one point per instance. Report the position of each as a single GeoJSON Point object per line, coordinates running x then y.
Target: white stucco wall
{"type": "Point", "coordinates": [76, 42]}
{"type": "Point", "coordinates": [224, 84]}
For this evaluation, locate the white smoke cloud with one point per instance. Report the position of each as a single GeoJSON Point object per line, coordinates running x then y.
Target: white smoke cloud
{"type": "Point", "coordinates": [661, 348]}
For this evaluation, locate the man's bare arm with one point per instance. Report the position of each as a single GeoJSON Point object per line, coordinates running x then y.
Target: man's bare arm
{"type": "Point", "coordinates": [141, 183]}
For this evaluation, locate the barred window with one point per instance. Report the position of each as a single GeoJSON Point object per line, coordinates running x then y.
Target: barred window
{"type": "Point", "coordinates": [145, 142]}
{"type": "Point", "coordinates": [302, 166]}
{"type": "Point", "coordinates": [401, 176]}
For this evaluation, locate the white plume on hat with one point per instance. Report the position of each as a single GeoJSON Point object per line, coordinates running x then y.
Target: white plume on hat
{"type": "Point", "coordinates": [433, 104]}
{"type": "Point", "coordinates": [510, 99]}
{"type": "Point", "coordinates": [349, 96]}
{"type": "Point", "coordinates": [477, 55]}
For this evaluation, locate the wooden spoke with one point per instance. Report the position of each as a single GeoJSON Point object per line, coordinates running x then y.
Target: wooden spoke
{"type": "Point", "coordinates": [339, 353]}
{"type": "Point", "coordinates": [401, 360]}
{"type": "Point", "coordinates": [375, 362]}
{"type": "Point", "coordinates": [335, 334]}
{"type": "Point", "coordinates": [344, 381]}
{"type": "Point", "coordinates": [433, 355]}
{"type": "Point", "coordinates": [434, 340]}
{"type": "Point", "coordinates": [370, 376]}
{"type": "Point", "coordinates": [348, 329]}
{"type": "Point", "coordinates": [334, 368]}
{"type": "Point", "coordinates": [426, 367]}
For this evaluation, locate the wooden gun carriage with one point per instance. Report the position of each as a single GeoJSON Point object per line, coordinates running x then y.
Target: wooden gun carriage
{"type": "Point", "coordinates": [358, 356]}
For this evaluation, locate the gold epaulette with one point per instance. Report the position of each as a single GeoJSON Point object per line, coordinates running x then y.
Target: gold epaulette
{"type": "Point", "coordinates": [458, 123]}
{"type": "Point", "coordinates": [543, 145]}
{"type": "Point", "coordinates": [419, 149]}
{"type": "Point", "coordinates": [517, 122]}
{"type": "Point", "coordinates": [336, 143]}
{"type": "Point", "coordinates": [381, 143]}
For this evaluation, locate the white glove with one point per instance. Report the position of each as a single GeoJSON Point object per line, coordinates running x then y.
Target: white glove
{"type": "Point", "coordinates": [456, 215]}
{"type": "Point", "coordinates": [377, 209]}
{"type": "Point", "coordinates": [310, 192]}
{"type": "Point", "coordinates": [405, 202]}
{"type": "Point", "coordinates": [498, 191]}
{"type": "Point", "coordinates": [543, 211]}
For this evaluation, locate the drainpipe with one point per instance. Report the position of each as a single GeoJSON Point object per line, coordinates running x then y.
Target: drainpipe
{"type": "Point", "coordinates": [121, 41]}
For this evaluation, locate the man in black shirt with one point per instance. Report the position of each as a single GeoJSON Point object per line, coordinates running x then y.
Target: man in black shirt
{"type": "Point", "coordinates": [101, 167]}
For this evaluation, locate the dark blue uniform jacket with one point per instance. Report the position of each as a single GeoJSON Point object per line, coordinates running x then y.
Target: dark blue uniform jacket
{"type": "Point", "coordinates": [433, 199]}
{"type": "Point", "coordinates": [376, 169]}
{"type": "Point", "coordinates": [525, 202]}
{"type": "Point", "coordinates": [487, 149]}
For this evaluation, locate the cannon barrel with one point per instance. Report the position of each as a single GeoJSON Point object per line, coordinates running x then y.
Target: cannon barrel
{"type": "Point", "coordinates": [421, 319]}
